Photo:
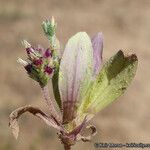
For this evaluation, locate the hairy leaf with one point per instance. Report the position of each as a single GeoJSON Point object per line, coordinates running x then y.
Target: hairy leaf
{"type": "Point", "coordinates": [76, 69]}
{"type": "Point", "coordinates": [112, 81]}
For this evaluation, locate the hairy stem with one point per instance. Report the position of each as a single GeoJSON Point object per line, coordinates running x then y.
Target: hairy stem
{"type": "Point", "coordinates": [50, 103]}
{"type": "Point", "coordinates": [67, 147]}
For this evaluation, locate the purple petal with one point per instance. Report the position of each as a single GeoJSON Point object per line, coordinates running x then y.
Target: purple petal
{"type": "Point", "coordinates": [97, 43]}
{"type": "Point", "coordinates": [48, 53]}
{"type": "Point", "coordinates": [76, 69]}
{"type": "Point", "coordinates": [48, 70]}
{"type": "Point", "coordinates": [38, 62]}
{"type": "Point", "coordinates": [28, 68]}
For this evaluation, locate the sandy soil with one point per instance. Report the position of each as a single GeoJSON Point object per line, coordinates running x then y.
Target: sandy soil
{"type": "Point", "coordinates": [125, 25]}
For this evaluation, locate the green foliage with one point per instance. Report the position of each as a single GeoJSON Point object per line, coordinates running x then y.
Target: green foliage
{"type": "Point", "coordinates": [112, 81]}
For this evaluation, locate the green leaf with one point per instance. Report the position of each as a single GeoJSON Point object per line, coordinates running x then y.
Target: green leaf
{"type": "Point", "coordinates": [112, 81]}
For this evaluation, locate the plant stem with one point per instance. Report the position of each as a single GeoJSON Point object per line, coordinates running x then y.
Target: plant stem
{"type": "Point", "coordinates": [67, 147]}
{"type": "Point", "coordinates": [50, 103]}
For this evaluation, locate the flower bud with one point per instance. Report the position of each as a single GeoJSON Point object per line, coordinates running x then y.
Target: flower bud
{"type": "Point", "coordinates": [38, 62]}
{"type": "Point", "coordinates": [41, 63]}
{"type": "Point", "coordinates": [26, 44]}
{"type": "Point", "coordinates": [48, 70]}
{"type": "Point", "coordinates": [22, 62]}
{"type": "Point", "coordinates": [49, 28]}
{"type": "Point", "coordinates": [48, 53]}
{"type": "Point", "coordinates": [28, 68]}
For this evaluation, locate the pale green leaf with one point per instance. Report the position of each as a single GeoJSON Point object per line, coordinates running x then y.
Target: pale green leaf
{"type": "Point", "coordinates": [112, 81]}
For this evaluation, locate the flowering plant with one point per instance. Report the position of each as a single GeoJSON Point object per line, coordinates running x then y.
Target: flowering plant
{"type": "Point", "coordinates": [82, 84]}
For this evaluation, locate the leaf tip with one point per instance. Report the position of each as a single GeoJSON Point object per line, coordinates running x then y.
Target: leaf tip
{"type": "Point", "coordinates": [120, 52]}
{"type": "Point", "coordinates": [14, 127]}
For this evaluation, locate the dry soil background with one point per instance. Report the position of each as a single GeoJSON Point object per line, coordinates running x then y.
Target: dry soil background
{"type": "Point", "coordinates": [125, 25]}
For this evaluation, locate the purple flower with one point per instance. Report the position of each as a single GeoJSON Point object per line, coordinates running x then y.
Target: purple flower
{"type": "Point", "coordinates": [48, 70]}
{"type": "Point", "coordinates": [28, 68]}
{"type": "Point", "coordinates": [82, 84]}
{"type": "Point", "coordinates": [38, 62]}
{"type": "Point", "coordinates": [48, 53]}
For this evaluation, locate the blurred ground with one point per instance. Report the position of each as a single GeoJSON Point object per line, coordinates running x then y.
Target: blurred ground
{"type": "Point", "coordinates": [125, 25]}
